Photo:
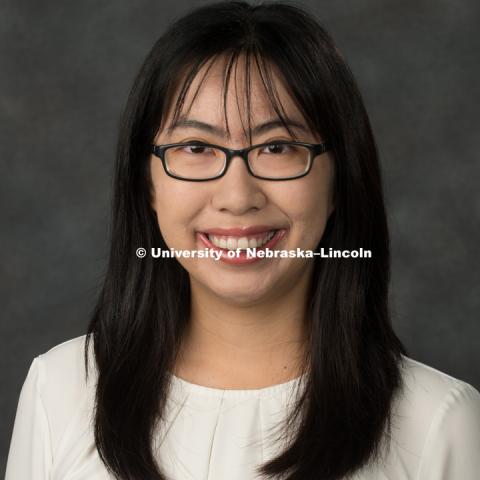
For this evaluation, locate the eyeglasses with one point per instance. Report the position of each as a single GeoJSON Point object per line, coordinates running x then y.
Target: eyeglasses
{"type": "Point", "coordinates": [278, 160]}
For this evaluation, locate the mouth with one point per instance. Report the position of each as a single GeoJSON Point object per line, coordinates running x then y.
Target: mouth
{"type": "Point", "coordinates": [229, 242]}
{"type": "Point", "coordinates": [266, 239]}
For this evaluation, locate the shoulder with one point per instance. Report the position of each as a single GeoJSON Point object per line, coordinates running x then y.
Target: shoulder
{"type": "Point", "coordinates": [62, 370]}
{"type": "Point", "coordinates": [428, 388]}
{"type": "Point", "coordinates": [435, 421]}
{"type": "Point", "coordinates": [54, 413]}
{"type": "Point", "coordinates": [65, 355]}
{"type": "Point", "coordinates": [62, 384]}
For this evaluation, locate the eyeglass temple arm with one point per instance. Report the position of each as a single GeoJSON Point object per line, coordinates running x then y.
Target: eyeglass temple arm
{"type": "Point", "coordinates": [322, 148]}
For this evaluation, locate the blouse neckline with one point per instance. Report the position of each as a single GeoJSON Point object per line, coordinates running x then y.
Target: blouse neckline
{"type": "Point", "coordinates": [179, 386]}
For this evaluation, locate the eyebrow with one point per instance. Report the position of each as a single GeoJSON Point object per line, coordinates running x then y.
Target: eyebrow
{"type": "Point", "coordinates": [257, 130]}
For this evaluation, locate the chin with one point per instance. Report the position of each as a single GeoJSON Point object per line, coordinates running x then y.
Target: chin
{"type": "Point", "coordinates": [239, 295]}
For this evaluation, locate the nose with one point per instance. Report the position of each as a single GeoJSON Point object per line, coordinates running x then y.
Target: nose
{"type": "Point", "coordinates": [237, 191]}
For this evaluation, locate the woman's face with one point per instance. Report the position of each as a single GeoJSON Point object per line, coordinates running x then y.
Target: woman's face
{"type": "Point", "coordinates": [299, 208]}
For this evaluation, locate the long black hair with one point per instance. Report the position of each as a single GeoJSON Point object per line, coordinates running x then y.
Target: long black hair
{"type": "Point", "coordinates": [354, 357]}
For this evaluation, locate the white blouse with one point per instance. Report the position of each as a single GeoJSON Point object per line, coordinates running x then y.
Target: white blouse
{"type": "Point", "coordinates": [215, 434]}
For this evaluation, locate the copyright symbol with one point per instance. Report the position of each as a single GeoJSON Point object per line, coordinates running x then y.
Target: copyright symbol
{"type": "Point", "coordinates": [141, 252]}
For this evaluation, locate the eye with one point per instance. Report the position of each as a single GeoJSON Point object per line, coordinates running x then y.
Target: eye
{"type": "Point", "coordinates": [276, 148]}
{"type": "Point", "coordinates": [195, 148]}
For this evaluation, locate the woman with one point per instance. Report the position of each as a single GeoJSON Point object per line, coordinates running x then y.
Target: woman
{"type": "Point", "coordinates": [242, 367]}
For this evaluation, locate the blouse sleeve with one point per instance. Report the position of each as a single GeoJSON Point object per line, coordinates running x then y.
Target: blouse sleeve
{"type": "Point", "coordinates": [452, 447]}
{"type": "Point", "coordinates": [30, 454]}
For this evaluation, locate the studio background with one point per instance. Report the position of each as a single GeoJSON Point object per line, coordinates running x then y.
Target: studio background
{"type": "Point", "coordinates": [66, 70]}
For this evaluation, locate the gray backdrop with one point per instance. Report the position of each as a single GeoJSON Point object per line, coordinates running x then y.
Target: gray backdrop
{"type": "Point", "coordinates": [66, 68]}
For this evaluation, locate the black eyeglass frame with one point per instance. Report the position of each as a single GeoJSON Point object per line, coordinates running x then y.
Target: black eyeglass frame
{"type": "Point", "coordinates": [315, 150]}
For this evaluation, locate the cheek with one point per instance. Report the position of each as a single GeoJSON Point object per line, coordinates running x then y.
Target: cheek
{"type": "Point", "coordinates": [310, 198]}
{"type": "Point", "coordinates": [309, 203]}
{"type": "Point", "coordinates": [176, 205]}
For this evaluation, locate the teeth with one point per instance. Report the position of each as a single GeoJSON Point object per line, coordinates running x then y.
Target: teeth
{"type": "Point", "coordinates": [232, 243]}
{"type": "Point", "coordinates": [242, 243]}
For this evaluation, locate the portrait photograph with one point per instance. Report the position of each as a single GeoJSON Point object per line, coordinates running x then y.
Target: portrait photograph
{"type": "Point", "coordinates": [240, 240]}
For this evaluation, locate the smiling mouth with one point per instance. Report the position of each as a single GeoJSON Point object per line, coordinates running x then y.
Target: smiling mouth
{"type": "Point", "coordinates": [260, 240]}
{"type": "Point", "coordinates": [228, 242]}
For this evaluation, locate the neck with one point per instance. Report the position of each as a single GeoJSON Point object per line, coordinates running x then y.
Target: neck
{"type": "Point", "coordinates": [235, 346]}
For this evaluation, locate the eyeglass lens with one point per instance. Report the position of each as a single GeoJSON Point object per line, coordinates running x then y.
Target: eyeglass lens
{"type": "Point", "coordinates": [273, 161]}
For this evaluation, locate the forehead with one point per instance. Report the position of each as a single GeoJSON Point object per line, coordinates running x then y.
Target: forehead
{"type": "Point", "coordinates": [233, 97]}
